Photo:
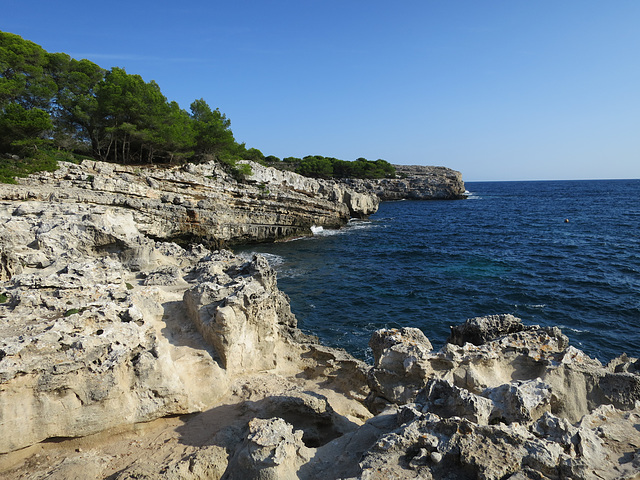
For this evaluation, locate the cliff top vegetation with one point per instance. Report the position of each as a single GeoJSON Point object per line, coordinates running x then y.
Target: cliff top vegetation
{"type": "Point", "coordinates": [54, 107]}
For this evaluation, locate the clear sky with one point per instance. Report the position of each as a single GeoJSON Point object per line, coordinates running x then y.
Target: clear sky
{"type": "Point", "coordinates": [498, 89]}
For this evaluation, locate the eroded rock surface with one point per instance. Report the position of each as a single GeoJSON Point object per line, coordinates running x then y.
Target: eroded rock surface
{"type": "Point", "coordinates": [518, 402]}
{"type": "Point", "coordinates": [125, 357]}
{"type": "Point", "coordinates": [102, 326]}
{"type": "Point", "coordinates": [416, 182]}
{"type": "Point", "coordinates": [200, 203]}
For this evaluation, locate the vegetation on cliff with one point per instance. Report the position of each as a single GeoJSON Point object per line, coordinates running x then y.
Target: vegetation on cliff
{"type": "Point", "coordinates": [52, 102]}
{"type": "Point", "coordinates": [318, 166]}
{"type": "Point", "coordinates": [55, 107]}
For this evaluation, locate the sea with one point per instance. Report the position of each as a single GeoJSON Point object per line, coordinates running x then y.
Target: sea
{"type": "Point", "coordinates": [553, 253]}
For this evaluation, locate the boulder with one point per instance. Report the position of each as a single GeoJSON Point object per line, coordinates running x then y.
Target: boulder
{"type": "Point", "coordinates": [244, 316]}
{"type": "Point", "coordinates": [519, 401]}
{"type": "Point", "coordinates": [401, 365]}
{"type": "Point", "coordinates": [446, 400]}
{"type": "Point", "coordinates": [272, 450]}
{"type": "Point", "coordinates": [480, 330]}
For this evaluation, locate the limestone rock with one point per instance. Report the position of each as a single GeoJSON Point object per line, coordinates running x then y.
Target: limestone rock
{"type": "Point", "coordinates": [81, 467]}
{"type": "Point", "coordinates": [347, 374]}
{"type": "Point", "coordinates": [520, 401]}
{"type": "Point", "coordinates": [197, 203]}
{"type": "Point", "coordinates": [308, 412]}
{"type": "Point", "coordinates": [446, 400]}
{"type": "Point", "coordinates": [623, 363]}
{"type": "Point", "coordinates": [360, 203]}
{"type": "Point", "coordinates": [511, 401]}
{"type": "Point", "coordinates": [622, 389]}
{"type": "Point", "coordinates": [244, 317]}
{"type": "Point", "coordinates": [434, 447]}
{"type": "Point", "coordinates": [416, 182]}
{"type": "Point", "coordinates": [104, 327]}
{"type": "Point", "coordinates": [271, 451]}
{"type": "Point", "coordinates": [208, 463]}
{"type": "Point", "coordinates": [401, 365]}
{"type": "Point", "coordinates": [480, 330]}
{"type": "Point", "coordinates": [95, 333]}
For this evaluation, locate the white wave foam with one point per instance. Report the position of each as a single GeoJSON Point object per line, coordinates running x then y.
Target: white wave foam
{"type": "Point", "coordinates": [273, 259]}
{"type": "Point", "coordinates": [571, 329]}
{"type": "Point", "coordinates": [356, 223]}
{"type": "Point", "coordinates": [531, 305]}
{"type": "Point", "coordinates": [246, 255]}
{"type": "Point", "coordinates": [321, 232]}
{"type": "Point", "coordinates": [353, 224]}
{"type": "Point", "coordinates": [328, 233]}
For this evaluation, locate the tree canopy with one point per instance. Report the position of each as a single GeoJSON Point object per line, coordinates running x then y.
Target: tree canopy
{"type": "Point", "coordinates": [50, 102]}
{"type": "Point", "coordinates": [52, 99]}
{"type": "Point", "coordinates": [329, 167]}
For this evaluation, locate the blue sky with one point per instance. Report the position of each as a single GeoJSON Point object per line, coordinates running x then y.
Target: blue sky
{"type": "Point", "coordinates": [498, 89]}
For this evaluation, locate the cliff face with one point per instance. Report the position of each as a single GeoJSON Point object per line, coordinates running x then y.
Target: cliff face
{"type": "Point", "coordinates": [201, 202]}
{"type": "Point", "coordinates": [93, 333]}
{"type": "Point", "coordinates": [108, 337]}
{"type": "Point", "coordinates": [102, 326]}
{"type": "Point", "coordinates": [416, 183]}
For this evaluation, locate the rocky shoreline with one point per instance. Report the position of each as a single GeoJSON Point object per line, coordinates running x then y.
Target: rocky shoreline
{"type": "Point", "coordinates": [201, 203]}
{"type": "Point", "coordinates": [124, 355]}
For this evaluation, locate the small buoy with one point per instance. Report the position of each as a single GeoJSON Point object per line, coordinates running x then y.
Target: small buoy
{"type": "Point", "coordinates": [566, 220]}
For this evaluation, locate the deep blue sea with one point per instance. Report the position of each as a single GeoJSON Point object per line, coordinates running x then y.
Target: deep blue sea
{"type": "Point", "coordinates": [505, 249]}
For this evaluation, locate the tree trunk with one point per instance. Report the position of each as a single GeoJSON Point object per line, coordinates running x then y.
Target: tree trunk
{"type": "Point", "coordinates": [124, 146]}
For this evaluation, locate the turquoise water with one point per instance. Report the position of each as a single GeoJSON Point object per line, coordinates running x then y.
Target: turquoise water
{"type": "Point", "coordinates": [505, 249]}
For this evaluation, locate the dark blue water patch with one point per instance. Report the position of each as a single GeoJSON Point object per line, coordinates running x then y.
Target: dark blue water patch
{"type": "Point", "coordinates": [506, 249]}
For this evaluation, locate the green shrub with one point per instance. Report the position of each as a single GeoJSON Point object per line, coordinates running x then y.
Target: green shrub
{"type": "Point", "coordinates": [329, 167]}
{"type": "Point", "coordinates": [45, 160]}
{"type": "Point", "coordinates": [242, 171]}
{"type": "Point", "coordinates": [73, 311]}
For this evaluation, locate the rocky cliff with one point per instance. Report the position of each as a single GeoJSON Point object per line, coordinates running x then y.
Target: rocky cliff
{"type": "Point", "coordinates": [201, 202]}
{"type": "Point", "coordinates": [416, 182]}
{"type": "Point", "coordinates": [103, 327]}
{"type": "Point", "coordinates": [126, 357]}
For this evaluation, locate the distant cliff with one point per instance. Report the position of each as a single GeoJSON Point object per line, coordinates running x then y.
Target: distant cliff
{"type": "Point", "coordinates": [415, 182]}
